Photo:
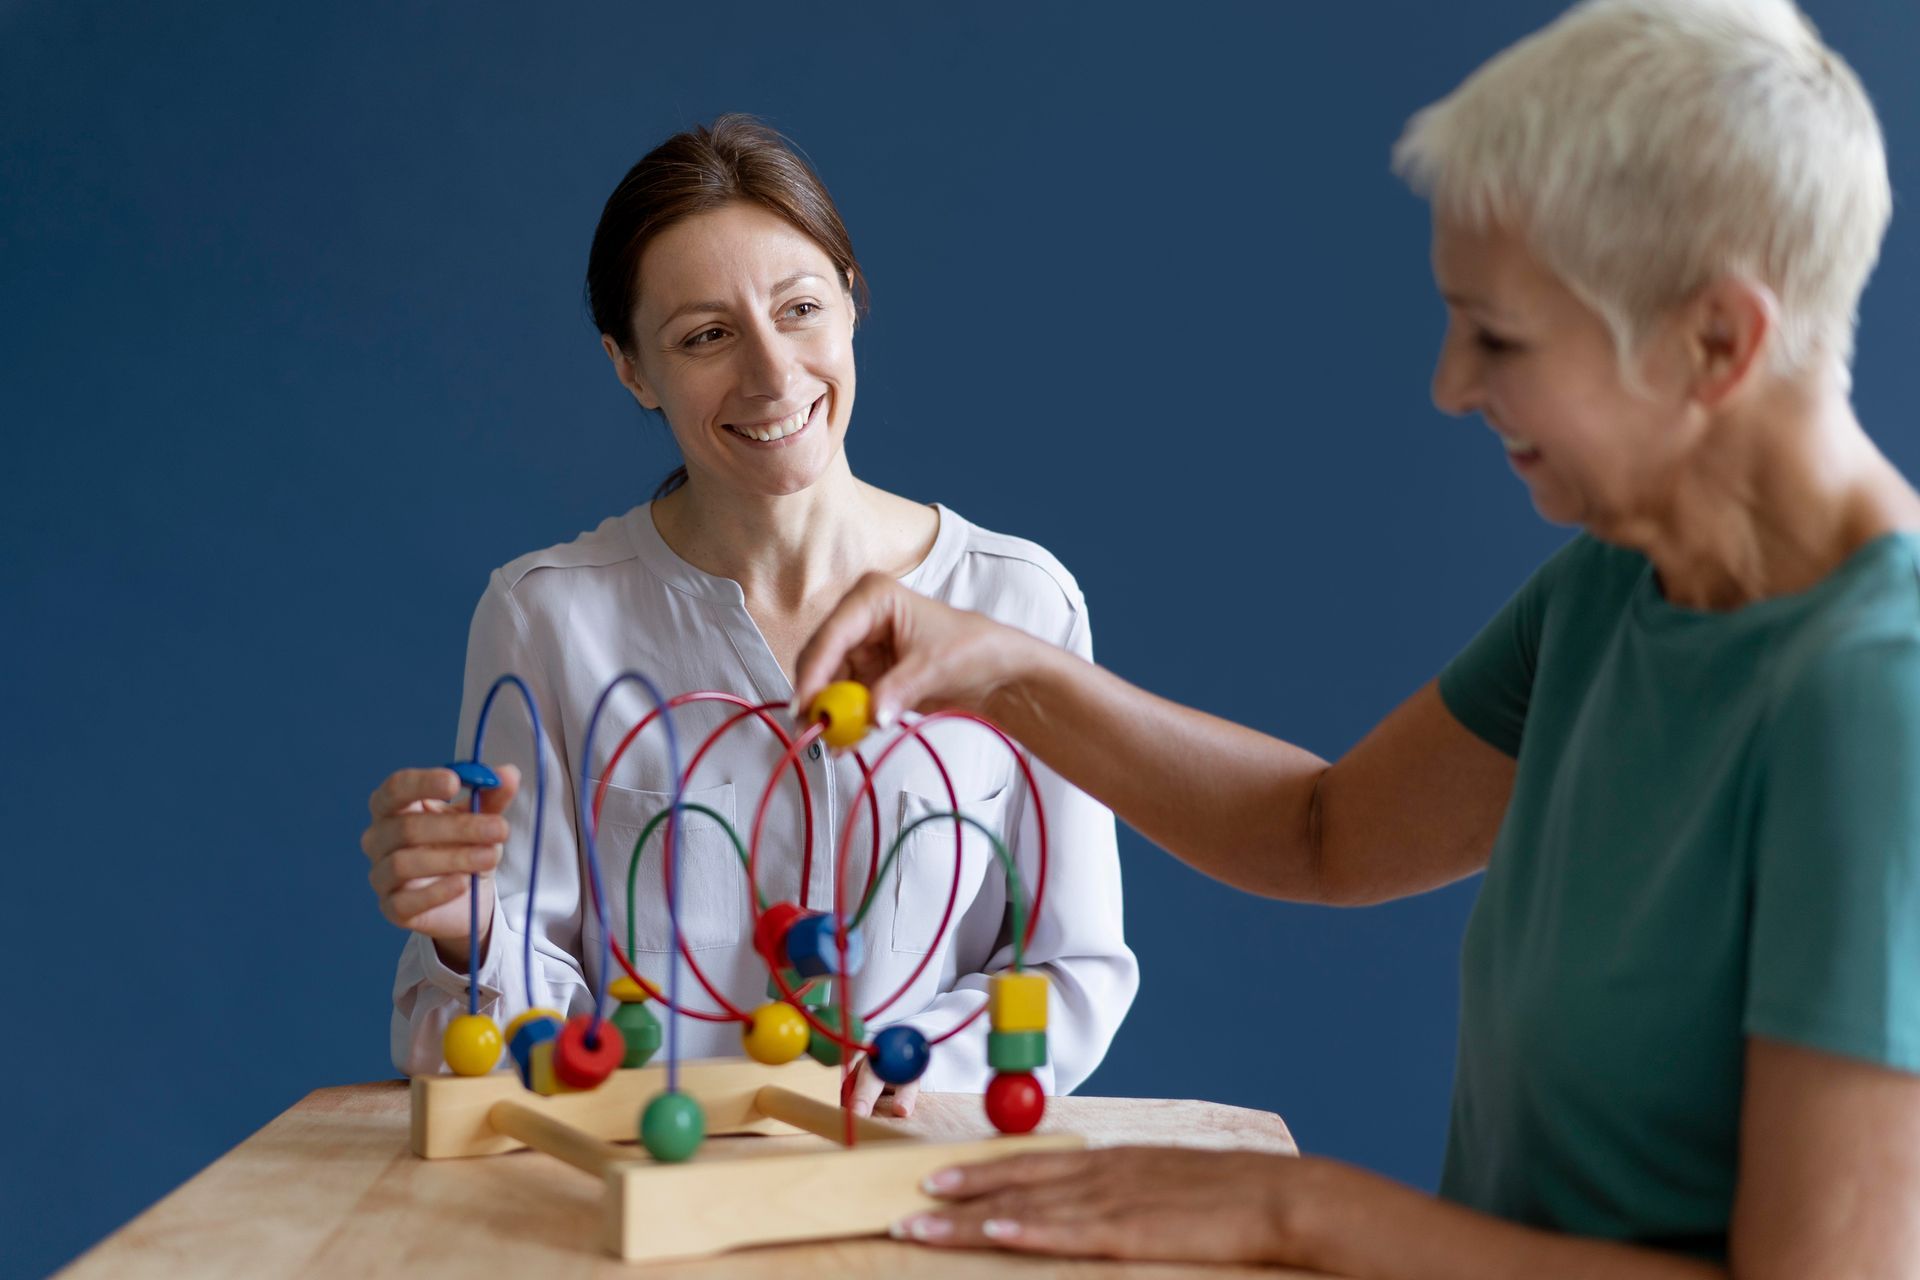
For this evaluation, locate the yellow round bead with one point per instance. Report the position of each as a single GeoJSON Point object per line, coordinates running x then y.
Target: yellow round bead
{"type": "Point", "coordinates": [529, 1016]}
{"type": "Point", "coordinates": [846, 706]}
{"type": "Point", "coordinates": [777, 1034]}
{"type": "Point", "coordinates": [627, 991]}
{"type": "Point", "coordinates": [471, 1045]}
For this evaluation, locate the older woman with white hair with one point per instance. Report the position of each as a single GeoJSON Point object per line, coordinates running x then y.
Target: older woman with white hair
{"type": "Point", "coordinates": [1686, 754]}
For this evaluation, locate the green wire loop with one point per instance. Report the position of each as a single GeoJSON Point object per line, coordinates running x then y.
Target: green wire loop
{"type": "Point", "coordinates": [639, 846]}
{"type": "Point", "coordinates": [1014, 895]}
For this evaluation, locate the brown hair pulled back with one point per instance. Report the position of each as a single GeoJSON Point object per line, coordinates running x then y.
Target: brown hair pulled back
{"type": "Point", "coordinates": [734, 160]}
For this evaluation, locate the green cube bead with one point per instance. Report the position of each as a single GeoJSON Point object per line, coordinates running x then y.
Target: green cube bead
{"type": "Point", "coordinates": [1016, 1050]}
{"type": "Point", "coordinates": [828, 1051]}
{"type": "Point", "coordinates": [641, 1031]}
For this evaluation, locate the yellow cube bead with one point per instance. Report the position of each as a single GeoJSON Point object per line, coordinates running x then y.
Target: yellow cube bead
{"type": "Point", "coordinates": [846, 706]}
{"type": "Point", "coordinates": [1017, 1002]}
{"type": "Point", "coordinates": [540, 1071]}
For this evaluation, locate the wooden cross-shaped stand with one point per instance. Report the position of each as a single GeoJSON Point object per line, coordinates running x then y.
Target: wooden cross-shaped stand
{"type": "Point", "coordinates": [745, 1191]}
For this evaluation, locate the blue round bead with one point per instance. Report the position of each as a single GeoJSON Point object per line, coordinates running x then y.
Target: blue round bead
{"type": "Point", "coordinates": [900, 1055]}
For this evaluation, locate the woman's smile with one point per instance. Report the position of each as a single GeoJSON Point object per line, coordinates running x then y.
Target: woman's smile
{"type": "Point", "coordinates": [778, 432]}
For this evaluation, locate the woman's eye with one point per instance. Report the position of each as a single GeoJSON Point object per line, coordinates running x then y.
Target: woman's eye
{"type": "Point", "coordinates": [1493, 344]}
{"type": "Point", "coordinates": [705, 337]}
{"type": "Point", "coordinates": [803, 308]}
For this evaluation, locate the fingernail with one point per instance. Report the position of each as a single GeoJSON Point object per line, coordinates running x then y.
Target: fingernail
{"type": "Point", "coordinates": [921, 1226]}
{"type": "Point", "coordinates": [794, 709]}
{"type": "Point", "coordinates": [863, 1108]}
{"type": "Point", "coordinates": [939, 1181]}
{"type": "Point", "coordinates": [883, 717]}
{"type": "Point", "coordinates": [1000, 1229]}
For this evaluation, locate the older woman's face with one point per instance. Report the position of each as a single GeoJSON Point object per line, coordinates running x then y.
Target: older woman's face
{"type": "Point", "coordinates": [744, 340]}
{"type": "Point", "coordinates": [1540, 367]}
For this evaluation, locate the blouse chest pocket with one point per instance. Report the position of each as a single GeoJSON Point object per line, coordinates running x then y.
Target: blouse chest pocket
{"type": "Point", "coordinates": [924, 870]}
{"type": "Point", "coordinates": [712, 884]}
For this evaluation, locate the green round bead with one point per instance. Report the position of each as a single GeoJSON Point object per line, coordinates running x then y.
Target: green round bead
{"type": "Point", "coordinates": [828, 1051]}
{"type": "Point", "coordinates": [1015, 1051]}
{"type": "Point", "coordinates": [641, 1030]}
{"type": "Point", "coordinates": [672, 1127]}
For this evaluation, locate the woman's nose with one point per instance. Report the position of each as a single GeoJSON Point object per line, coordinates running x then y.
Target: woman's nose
{"type": "Point", "coordinates": [769, 369]}
{"type": "Point", "coordinates": [1456, 381]}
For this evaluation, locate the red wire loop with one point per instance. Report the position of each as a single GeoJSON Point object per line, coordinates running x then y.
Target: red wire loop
{"type": "Point", "coordinates": [792, 749]}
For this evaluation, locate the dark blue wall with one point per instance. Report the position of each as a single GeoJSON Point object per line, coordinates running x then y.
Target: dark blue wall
{"type": "Point", "coordinates": [292, 353]}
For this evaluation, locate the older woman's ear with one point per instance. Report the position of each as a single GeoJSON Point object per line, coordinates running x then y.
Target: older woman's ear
{"type": "Point", "coordinates": [628, 371]}
{"type": "Point", "coordinates": [1731, 325]}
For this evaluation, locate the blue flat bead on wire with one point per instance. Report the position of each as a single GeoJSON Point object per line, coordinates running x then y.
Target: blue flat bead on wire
{"type": "Point", "coordinates": [476, 775]}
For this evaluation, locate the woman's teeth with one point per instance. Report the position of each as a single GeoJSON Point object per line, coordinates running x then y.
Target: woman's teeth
{"type": "Point", "coordinates": [1515, 444]}
{"type": "Point", "coordinates": [766, 431]}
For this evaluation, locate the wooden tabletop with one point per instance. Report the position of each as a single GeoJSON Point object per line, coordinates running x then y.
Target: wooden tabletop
{"type": "Point", "coordinates": [329, 1188]}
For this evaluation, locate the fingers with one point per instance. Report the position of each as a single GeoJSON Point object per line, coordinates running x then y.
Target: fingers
{"type": "Point", "coordinates": [1053, 1218]}
{"type": "Point", "coordinates": [426, 862]}
{"type": "Point", "coordinates": [902, 1098]}
{"type": "Point", "coordinates": [967, 1181]}
{"type": "Point", "coordinates": [903, 687]}
{"type": "Point", "coordinates": [449, 827]}
{"type": "Point", "coordinates": [1066, 1238]}
{"type": "Point", "coordinates": [408, 786]}
{"type": "Point", "coordinates": [866, 1090]}
{"type": "Point", "coordinates": [860, 619]}
{"type": "Point", "coordinates": [406, 906]}
{"type": "Point", "coordinates": [496, 799]}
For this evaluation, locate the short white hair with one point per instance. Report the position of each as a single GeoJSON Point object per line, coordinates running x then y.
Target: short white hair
{"type": "Point", "coordinates": [1643, 148]}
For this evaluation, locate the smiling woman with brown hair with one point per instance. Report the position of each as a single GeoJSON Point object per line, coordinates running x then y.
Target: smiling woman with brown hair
{"type": "Point", "coordinates": [1686, 754]}
{"type": "Point", "coordinates": [725, 287]}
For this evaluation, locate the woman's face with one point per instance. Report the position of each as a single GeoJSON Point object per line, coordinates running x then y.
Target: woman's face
{"type": "Point", "coordinates": [743, 338]}
{"type": "Point", "coordinates": [1540, 367]}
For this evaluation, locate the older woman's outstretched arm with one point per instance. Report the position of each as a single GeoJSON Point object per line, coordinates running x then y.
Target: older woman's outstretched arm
{"type": "Point", "coordinates": [1829, 1175]}
{"type": "Point", "coordinates": [1413, 806]}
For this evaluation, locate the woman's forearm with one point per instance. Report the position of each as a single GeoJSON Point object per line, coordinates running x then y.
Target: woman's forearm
{"type": "Point", "coordinates": [1358, 1224]}
{"type": "Point", "coordinates": [1229, 801]}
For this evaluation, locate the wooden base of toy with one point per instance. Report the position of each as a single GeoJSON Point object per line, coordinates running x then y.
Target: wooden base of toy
{"type": "Point", "coordinates": [748, 1194]}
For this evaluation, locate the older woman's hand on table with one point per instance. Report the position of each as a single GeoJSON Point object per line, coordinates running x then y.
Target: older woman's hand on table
{"type": "Point", "coordinates": [1160, 1203]}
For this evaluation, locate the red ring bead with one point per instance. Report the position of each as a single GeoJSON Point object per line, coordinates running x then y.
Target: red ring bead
{"type": "Point", "coordinates": [1015, 1102]}
{"type": "Point", "coordinates": [580, 1065]}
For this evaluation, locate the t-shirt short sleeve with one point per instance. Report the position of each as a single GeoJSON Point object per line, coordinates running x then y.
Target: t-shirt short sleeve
{"type": "Point", "coordinates": [1488, 684]}
{"type": "Point", "coordinates": [1834, 948]}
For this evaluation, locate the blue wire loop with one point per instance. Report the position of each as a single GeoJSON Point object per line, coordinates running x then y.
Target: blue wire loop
{"type": "Point", "coordinates": [479, 777]}
{"type": "Point", "coordinates": [673, 860]}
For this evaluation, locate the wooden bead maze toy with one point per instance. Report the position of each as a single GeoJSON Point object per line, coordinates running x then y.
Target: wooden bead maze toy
{"type": "Point", "coordinates": [579, 1083]}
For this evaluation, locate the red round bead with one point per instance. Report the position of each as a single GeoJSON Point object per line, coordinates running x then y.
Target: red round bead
{"type": "Point", "coordinates": [1015, 1102]}
{"type": "Point", "coordinates": [770, 932]}
{"type": "Point", "coordinates": [582, 1064]}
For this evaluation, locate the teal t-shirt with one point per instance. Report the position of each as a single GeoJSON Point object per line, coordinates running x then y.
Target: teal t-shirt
{"type": "Point", "coordinates": [1714, 833]}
